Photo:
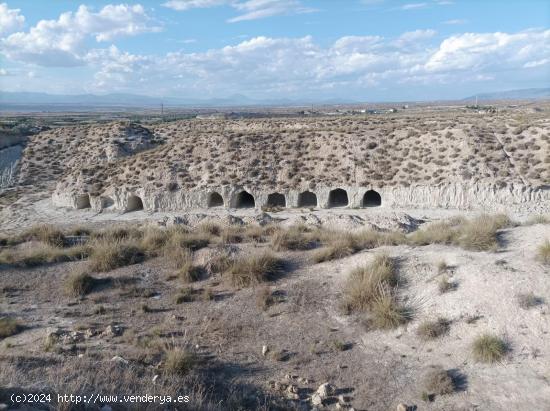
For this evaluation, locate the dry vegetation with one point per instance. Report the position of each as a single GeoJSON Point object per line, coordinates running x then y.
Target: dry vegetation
{"type": "Point", "coordinates": [291, 152]}
{"type": "Point", "coordinates": [212, 265]}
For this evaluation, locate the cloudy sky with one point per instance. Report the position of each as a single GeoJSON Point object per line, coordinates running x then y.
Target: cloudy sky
{"type": "Point", "coordinates": [370, 50]}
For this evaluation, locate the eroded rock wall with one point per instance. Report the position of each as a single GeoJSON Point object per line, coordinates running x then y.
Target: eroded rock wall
{"type": "Point", "coordinates": [450, 196]}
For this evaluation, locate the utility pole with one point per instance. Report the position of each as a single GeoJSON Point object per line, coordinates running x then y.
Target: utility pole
{"type": "Point", "coordinates": [162, 109]}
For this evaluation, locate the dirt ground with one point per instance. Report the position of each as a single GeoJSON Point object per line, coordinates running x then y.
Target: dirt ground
{"type": "Point", "coordinates": [309, 338]}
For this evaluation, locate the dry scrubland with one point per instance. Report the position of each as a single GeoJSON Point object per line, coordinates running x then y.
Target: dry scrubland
{"type": "Point", "coordinates": [287, 153]}
{"type": "Point", "coordinates": [363, 309]}
{"type": "Point", "coordinates": [452, 315]}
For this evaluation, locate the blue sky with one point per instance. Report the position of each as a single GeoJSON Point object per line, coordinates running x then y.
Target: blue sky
{"type": "Point", "coordinates": [370, 50]}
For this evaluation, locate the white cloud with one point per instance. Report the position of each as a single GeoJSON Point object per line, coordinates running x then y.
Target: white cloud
{"type": "Point", "coordinates": [3, 72]}
{"type": "Point", "coordinates": [61, 42]}
{"type": "Point", "coordinates": [417, 35]}
{"type": "Point", "coordinates": [10, 19]}
{"type": "Point", "coordinates": [490, 51]}
{"type": "Point", "coordinates": [290, 66]}
{"type": "Point", "coordinates": [413, 6]}
{"type": "Point", "coordinates": [455, 21]}
{"type": "Point", "coordinates": [295, 67]}
{"type": "Point", "coordinates": [182, 5]}
{"type": "Point", "coordinates": [257, 9]}
{"type": "Point", "coordinates": [250, 9]}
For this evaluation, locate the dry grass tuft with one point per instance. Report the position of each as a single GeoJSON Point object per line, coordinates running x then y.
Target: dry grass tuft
{"type": "Point", "coordinates": [480, 234]}
{"type": "Point", "coordinates": [42, 254]}
{"type": "Point", "coordinates": [181, 259]}
{"type": "Point", "coordinates": [438, 381]}
{"type": "Point", "coordinates": [477, 234]}
{"type": "Point", "coordinates": [363, 285]}
{"type": "Point", "coordinates": [47, 234]}
{"type": "Point", "coordinates": [179, 361]}
{"type": "Point", "coordinates": [9, 327]}
{"type": "Point", "coordinates": [254, 269]}
{"type": "Point", "coordinates": [429, 330]}
{"type": "Point", "coordinates": [543, 253]}
{"type": "Point", "coordinates": [374, 289]}
{"type": "Point", "coordinates": [489, 348]}
{"type": "Point", "coordinates": [292, 239]}
{"type": "Point", "coordinates": [79, 283]}
{"type": "Point", "coordinates": [106, 254]}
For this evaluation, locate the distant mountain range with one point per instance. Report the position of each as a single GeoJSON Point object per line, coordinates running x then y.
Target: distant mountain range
{"type": "Point", "coordinates": [522, 94]}
{"type": "Point", "coordinates": [11, 100]}
{"type": "Point", "coordinates": [134, 100]}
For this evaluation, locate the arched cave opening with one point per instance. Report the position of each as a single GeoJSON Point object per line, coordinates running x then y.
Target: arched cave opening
{"type": "Point", "coordinates": [276, 200]}
{"type": "Point", "coordinates": [307, 199]}
{"type": "Point", "coordinates": [134, 203]}
{"type": "Point", "coordinates": [215, 200]}
{"type": "Point", "coordinates": [83, 201]}
{"type": "Point", "coordinates": [372, 199]}
{"type": "Point", "coordinates": [245, 200]}
{"type": "Point", "coordinates": [338, 198]}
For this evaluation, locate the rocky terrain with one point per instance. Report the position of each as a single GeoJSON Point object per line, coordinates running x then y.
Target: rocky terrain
{"type": "Point", "coordinates": [379, 278]}
{"type": "Point", "coordinates": [463, 160]}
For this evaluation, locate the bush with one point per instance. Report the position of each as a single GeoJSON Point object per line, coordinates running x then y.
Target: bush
{"type": "Point", "coordinates": [106, 255]}
{"type": "Point", "coordinates": [543, 253]}
{"type": "Point", "coordinates": [254, 269]}
{"type": "Point", "coordinates": [374, 289]}
{"type": "Point", "coordinates": [477, 234]}
{"type": "Point", "coordinates": [9, 327]}
{"type": "Point", "coordinates": [79, 283]}
{"type": "Point", "coordinates": [42, 254]}
{"type": "Point", "coordinates": [179, 361]}
{"type": "Point", "coordinates": [387, 312]}
{"type": "Point", "coordinates": [292, 239]}
{"type": "Point", "coordinates": [429, 330]}
{"type": "Point", "coordinates": [47, 234]}
{"type": "Point", "coordinates": [489, 348]}
{"type": "Point", "coordinates": [364, 283]}
{"type": "Point", "coordinates": [439, 381]}
{"type": "Point", "coordinates": [480, 234]}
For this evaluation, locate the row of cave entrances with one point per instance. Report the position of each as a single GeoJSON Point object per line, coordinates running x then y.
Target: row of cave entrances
{"type": "Point", "coordinates": [337, 198]}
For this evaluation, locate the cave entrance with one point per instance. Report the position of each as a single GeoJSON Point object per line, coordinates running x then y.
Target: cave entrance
{"type": "Point", "coordinates": [215, 200]}
{"type": "Point", "coordinates": [83, 201]}
{"type": "Point", "coordinates": [276, 200]}
{"type": "Point", "coordinates": [134, 203]}
{"type": "Point", "coordinates": [338, 198]}
{"type": "Point", "coordinates": [307, 199]}
{"type": "Point", "coordinates": [245, 200]}
{"type": "Point", "coordinates": [372, 199]}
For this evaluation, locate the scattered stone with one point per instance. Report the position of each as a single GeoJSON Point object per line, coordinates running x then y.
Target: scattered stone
{"type": "Point", "coordinates": [264, 350]}
{"type": "Point", "coordinates": [155, 378]}
{"type": "Point", "coordinates": [119, 359]}
{"type": "Point", "coordinates": [316, 399]}
{"type": "Point", "coordinates": [402, 407]}
{"type": "Point", "coordinates": [343, 399]}
{"type": "Point", "coordinates": [326, 390]}
{"type": "Point", "coordinates": [112, 331]}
